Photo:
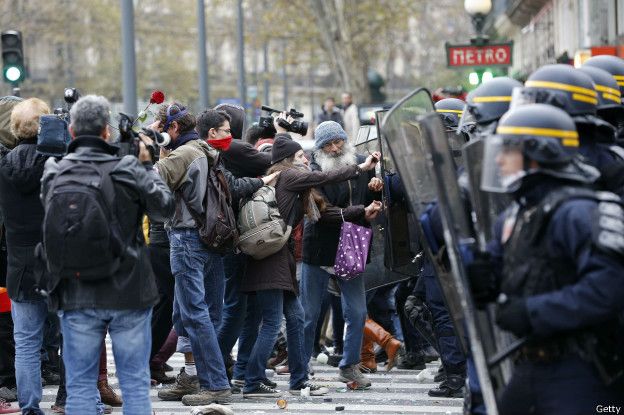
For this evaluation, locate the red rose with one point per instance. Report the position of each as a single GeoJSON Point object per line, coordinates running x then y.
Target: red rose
{"type": "Point", "coordinates": [157, 97]}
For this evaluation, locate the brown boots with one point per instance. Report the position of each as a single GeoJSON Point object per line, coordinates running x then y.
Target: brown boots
{"type": "Point", "coordinates": [108, 395]}
{"type": "Point", "coordinates": [374, 333]}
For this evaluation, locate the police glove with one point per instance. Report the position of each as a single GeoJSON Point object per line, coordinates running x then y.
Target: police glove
{"type": "Point", "coordinates": [413, 308]}
{"type": "Point", "coordinates": [482, 279]}
{"type": "Point", "coordinates": [512, 315]}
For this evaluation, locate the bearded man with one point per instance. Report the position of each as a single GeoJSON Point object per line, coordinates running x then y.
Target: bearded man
{"type": "Point", "coordinates": [320, 242]}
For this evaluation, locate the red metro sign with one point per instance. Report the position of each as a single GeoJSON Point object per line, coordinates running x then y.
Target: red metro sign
{"type": "Point", "coordinates": [486, 55]}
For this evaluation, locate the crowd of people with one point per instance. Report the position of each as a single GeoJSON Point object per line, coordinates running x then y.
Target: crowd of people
{"type": "Point", "coordinates": [143, 248]}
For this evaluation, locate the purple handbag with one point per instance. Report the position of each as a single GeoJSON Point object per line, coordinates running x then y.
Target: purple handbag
{"type": "Point", "coordinates": [352, 250]}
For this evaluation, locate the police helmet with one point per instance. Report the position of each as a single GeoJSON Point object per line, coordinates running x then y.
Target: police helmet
{"type": "Point", "coordinates": [450, 110]}
{"type": "Point", "coordinates": [608, 91]}
{"type": "Point", "coordinates": [540, 133]}
{"type": "Point", "coordinates": [490, 100]}
{"type": "Point", "coordinates": [612, 64]}
{"type": "Point", "coordinates": [561, 86]}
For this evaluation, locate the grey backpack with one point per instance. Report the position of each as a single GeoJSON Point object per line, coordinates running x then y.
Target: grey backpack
{"type": "Point", "coordinates": [262, 229]}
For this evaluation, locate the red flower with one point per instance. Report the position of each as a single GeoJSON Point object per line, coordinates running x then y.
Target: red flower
{"type": "Point", "coordinates": [157, 97]}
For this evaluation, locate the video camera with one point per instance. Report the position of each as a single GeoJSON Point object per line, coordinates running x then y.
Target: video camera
{"type": "Point", "coordinates": [129, 141]}
{"type": "Point", "coordinates": [53, 136]}
{"type": "Point", "coordinates": [296, 126]}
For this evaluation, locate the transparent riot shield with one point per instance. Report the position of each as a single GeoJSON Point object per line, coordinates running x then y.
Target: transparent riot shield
{"type": "Point", "coordinates": [376, 274]}
{"type": "Point", "coordinates": [403, 135]}
{"type": "Point", "coordinates": [461, 243]}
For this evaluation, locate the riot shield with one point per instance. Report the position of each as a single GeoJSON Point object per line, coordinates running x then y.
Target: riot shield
{"type": "Point", "coordinates": [403, 135]}
{"type": "Point", "coordinates": [460, 244]}
{"type": "Point", "coordinates": [376, 274]}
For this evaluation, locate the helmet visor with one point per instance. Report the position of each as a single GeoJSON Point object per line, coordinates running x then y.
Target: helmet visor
{"type": "Point", "coordinates": [524, 96]}
{"type": "Point", "coordinates": [503, 165]}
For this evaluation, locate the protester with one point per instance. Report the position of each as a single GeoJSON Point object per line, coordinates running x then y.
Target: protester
{"type": "Point", "coordinates": [329, 112]}
{"type": "Point", "coordinates": [122, 293]}
{"type": "Point", "coordinates": [351, 117]}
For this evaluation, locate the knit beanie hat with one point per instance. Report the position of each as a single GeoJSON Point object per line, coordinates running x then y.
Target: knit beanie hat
{"type": "Point", "coordinates": [283, 147]}
{"type": "Point", "coordinates": [328, 131]}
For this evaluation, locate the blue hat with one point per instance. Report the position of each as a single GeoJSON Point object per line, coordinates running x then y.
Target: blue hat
{"type": "Point", "coordinates": [328, 131]}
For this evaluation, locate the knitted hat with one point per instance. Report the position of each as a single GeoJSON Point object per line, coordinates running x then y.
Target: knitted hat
{"type": "Point", "coordinates": [328, 131]}
{"type": "Point", "coordinates": [283, 147]}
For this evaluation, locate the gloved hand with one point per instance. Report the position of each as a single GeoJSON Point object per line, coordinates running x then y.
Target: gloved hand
{"type": "Point", "coordinates": [482, 279]}
{"type": "Point", "coordinates": [512, 315]}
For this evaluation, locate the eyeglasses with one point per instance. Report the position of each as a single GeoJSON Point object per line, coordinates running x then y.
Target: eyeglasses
{"type": "Point", "coordinates": [228, 131]}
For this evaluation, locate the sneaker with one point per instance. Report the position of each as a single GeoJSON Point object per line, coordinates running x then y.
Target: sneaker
{"type": "Point", "coordinates": [334, 360]}
{"type": "Point", "coordinates": [262, 391]}
{"type": "Point", "coordinates": [206, 397]}
{"type": "Point", "coordinates": [451, 387]}
{"type": "Point", "coordinates": [411, 361]}
{"type": "Point", "coordinates": [8, 394]}
{"type": "Point", "coordinates": [282, 370]}
{"type": "Point", "coordinates": [6, 408]}
{"type": "Point", "coordinates": [237, 386]}
{"type": "Point", "coordinates": [50, 376]}
{"type": "Point", "coordinates": [184, 385]}
{"type": "Point", "coordinates": [167, 368]}
{"type": "Point", "coordinates": [60, 409]}
{"type": "Point", "coordinates": [269, 383]}
{"type": "Point", "coordinates": [160, 376]}
{"type": "Point", "coordinates": [315, 390]}
{"type": "Point", "coordinates": [353, 374]}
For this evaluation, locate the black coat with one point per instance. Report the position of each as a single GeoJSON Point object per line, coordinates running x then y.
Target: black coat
{"type": "Point", "coordinates": [320, 240]}
{"type": "Point", "coordinates": [20, 179]}
{"type": "Point", "coordinates": [138, 190]}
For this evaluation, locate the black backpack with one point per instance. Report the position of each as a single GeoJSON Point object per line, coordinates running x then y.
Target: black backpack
{"type": "Point", "coordinates": [217, 226]}
{"type": "Point", "coordinates": [81, 234]}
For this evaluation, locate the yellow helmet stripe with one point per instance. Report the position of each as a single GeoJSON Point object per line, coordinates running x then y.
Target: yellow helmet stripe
{"type": "Point", "coordinates": [619, 77]}
{"type": "Point", "coordinates": [562, 87]}
{"type": "Point", "coordinates": [492, 99]}
{"type": "Point", "coordinates": [584, 98]}
{"type": "Point", "coordinates": [452, 111]}
{"type": "Point", "coordinates": [620, 83]}
{"type": "Point", "coordinates": [568, 137]}
{"type": "Point", "coordinates": [612, 97]}
{"type": "Point", "coordinates": [603, 88]}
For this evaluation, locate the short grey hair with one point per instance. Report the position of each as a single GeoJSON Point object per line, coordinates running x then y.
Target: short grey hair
{"type": "Point", "coordinates": [90, 115]}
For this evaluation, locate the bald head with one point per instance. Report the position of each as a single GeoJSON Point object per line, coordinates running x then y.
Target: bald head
{"type": "Point", "coordinates": [25, 118]}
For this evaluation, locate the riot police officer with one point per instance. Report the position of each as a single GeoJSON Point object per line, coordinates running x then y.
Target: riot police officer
{"type": "Point", "coordinates": [561, 251]}
{"type": "Point", "coordinates": [574, 92]}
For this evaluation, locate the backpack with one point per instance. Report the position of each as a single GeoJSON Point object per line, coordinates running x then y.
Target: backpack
{"type": "Point", "coordinates": [262, 229]}
{"type": "Point", "coordinates": [81, 234]}
{"type": "Point", "coordinates": [217, 227]}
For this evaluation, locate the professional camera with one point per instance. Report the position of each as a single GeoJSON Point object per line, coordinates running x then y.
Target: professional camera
{"type": "Point", "coordinates": [296, 126]}
{"type": "Point", "coordinates": [129, 141]}
{"type": "Point", "coordinates": [53, 137]}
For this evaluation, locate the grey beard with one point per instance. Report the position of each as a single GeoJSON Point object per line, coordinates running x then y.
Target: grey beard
{"type": "Point", "coordinates": [328, 162]}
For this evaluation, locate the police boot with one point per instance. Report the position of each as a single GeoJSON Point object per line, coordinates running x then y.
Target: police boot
{"type": "Point", "coordinates": [451, 387]}
{"type": "Point", "coordinates": [380, 336]}
{"type": "Point", "coordinates": [367, 356]}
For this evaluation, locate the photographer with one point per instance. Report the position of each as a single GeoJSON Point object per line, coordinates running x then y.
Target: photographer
{"type": "Point", "coordinates": [113, 288]}
{"type": "Point", "coordinates": [20, 176]}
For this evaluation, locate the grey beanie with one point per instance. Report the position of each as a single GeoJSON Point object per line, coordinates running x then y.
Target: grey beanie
{"type": "Point", "coordinates": [328, 131]}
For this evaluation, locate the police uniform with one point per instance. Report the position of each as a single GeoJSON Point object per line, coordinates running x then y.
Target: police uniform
{"type": "Point", "coordinates": [561, 246]}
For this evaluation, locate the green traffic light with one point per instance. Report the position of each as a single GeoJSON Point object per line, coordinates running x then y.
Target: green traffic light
{"type": "Point", "coordinates": [12, 73]}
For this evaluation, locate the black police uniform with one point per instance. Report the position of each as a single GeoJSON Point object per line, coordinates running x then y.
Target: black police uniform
{"type": "Point", "coordinates": [561, 247]}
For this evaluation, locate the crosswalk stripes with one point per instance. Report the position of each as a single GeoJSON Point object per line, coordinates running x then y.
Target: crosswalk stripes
{"type": "Point", "coordinates": [396, 392]}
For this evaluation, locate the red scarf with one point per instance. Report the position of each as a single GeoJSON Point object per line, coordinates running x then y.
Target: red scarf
{"type": "Point", "coordinates": [221, 144]}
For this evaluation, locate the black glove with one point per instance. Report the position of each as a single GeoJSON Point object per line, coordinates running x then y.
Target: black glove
{"type": "Point", "coordinates": [513, 315]}
{"type": "Point", "coordinates": [482, 279]}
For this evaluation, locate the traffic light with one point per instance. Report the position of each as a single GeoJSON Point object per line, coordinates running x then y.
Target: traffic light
{"type": "Point", "coordinates": [13, 69]}
{"type": "Point", "coordinates": [479, 76]}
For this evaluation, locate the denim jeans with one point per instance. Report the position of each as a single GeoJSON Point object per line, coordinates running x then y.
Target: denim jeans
{"type": "Point", "coordinates": [271, 305]}
{"type": "Point", "coordinates": [198, 302]}
{"type": "Point", "coordinates": [28, 322]}
{"type": "Point", "coordinates": [247, 338]}
{"type": "Point", "coordinates": [313, 286]}
{"type": "Point", "coordinates": [235, 303]}
{"type": "Point", "coordinates": [83, 332]}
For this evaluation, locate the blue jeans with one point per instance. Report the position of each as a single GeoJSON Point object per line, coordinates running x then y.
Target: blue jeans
{"type": "Point", "coordinates": [235, 303]}
{"type": "Point", "coordinates": [247, 338]}
{"type": "Point", "coordinates": [271, 304]}
{"type": "Point", "coordinates": [131, 334]}
{"type": "Point", "coordinates": [353, 297]}
{"type": "Point", "coordinates": [198, 302]}
{"type": "Point", "coordinates": [28, 323]}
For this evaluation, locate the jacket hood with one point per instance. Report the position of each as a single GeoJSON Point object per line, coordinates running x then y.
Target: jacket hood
{"type": "Point", "coordinates": [7, 138]}
{"type": "Point", "coordinates": [23, 167]}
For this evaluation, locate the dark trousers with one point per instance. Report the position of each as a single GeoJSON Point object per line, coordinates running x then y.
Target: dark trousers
{"type": "Point", "coordinates": [330, 300]}
{"type": "Point", "coordinates": [414, 343]}
{"type": "Point", "coordinates": [7, 351]}
{"type": "Point", "coordinates": [161, 315]}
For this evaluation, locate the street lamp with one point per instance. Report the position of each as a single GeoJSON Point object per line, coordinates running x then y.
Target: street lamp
{"type": "Point", "coordinates": [478, 10]}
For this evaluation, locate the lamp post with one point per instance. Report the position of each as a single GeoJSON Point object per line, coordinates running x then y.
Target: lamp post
{"type": "Point", "coordinates": [478, 11]}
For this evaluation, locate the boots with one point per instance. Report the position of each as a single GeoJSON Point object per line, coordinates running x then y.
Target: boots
{"type": "Point", "coordinates": [367, 355]}
{"type": "Point", "coordinates": [380, 336]}
{"type": "Point", "coordinates": [108, 395]}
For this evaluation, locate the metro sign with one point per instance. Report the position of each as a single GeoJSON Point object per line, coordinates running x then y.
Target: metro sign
{"type": "Point", "coordinates": [486, 55]}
